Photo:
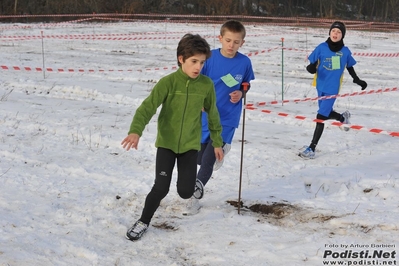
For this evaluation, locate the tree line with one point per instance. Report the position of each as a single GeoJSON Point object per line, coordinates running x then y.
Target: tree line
{"type": "Point", "coordinates": [369, 10]}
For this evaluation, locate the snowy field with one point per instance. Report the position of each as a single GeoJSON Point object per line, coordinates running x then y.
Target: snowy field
{"type": "Point", "coordinates": [69, 192]}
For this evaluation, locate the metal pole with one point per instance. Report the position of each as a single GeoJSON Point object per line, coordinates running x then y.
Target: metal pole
{"type": "Point", "coordinates": [282, 71]}
{"type": "Point", "coordinates": [44, 69]}
{"type": "Point", "coordinates": [245, 86]}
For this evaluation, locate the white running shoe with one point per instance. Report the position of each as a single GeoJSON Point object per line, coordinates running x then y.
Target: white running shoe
{"type": "Point", "coordinates": [346, 116]}
{"type": "Point", "coordinates": [199, 190]}
{"type": "Point", "coordinates": [136, 231]}
{"type": "Point", "coordinates": [307, 153]}
{"type": "Point", "coordinates": [226, 148]}
{"type": "Point", "coordinates": [192, 207]}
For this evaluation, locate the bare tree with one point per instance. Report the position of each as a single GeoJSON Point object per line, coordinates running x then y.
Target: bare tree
{"type": "Point", "coordinates": [393, 7]}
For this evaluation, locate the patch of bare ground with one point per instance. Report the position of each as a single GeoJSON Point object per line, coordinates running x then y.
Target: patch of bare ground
{"type": "Point", "coordinates": [282, 213]}
{"type": "Point", "coordinates": [165, 226]}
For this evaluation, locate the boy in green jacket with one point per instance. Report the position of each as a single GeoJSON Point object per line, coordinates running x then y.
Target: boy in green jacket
{"type": "Point", "coordinates": [182, 95]}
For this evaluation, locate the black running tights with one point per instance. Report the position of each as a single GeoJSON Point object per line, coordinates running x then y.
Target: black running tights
{"type": "Point", "coordinates": [186, 177]}
{"type": "Point", "coordinates": [318, 131]}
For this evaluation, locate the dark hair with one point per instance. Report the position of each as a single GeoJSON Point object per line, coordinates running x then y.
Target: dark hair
{"type": "Point", "coordinates": [191, 45]}
{"type": "Point", "coordinates": [233, 26]}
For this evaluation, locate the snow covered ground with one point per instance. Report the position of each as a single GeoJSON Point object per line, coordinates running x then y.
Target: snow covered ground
{"type": "Point", "coordinates": [68, 191]}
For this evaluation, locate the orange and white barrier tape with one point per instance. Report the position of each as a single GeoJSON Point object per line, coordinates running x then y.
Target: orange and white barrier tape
{"type": "Point", "coordinates": [79, 70]}
{"type": "Point", "coordinates": [88, 37]}
{"type": "Point", "coordinates": [110, 36]}
{"type": "Point", "coordinates": [368, 54]}
{"type": "Point", "coordinates": [365, 92]}
{"type": "Point", "coordinates": [335, 123]}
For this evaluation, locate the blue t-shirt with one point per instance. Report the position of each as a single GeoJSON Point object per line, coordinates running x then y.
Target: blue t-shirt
{"type": "Point", "coordinates": [227, 75]}
{"type": "Point", "coordinates": [331, 66]}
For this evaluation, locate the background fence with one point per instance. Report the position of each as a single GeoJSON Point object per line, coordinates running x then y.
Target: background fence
{"type": "Point", "coordinates": [178, 18]}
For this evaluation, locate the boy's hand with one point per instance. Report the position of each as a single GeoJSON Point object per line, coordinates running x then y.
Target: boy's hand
{"type": "Point", "coordinates": [219, 153]}
{"type": "Point", "coordinates": [361, 83]}
{"type": "Point", "coordinates": [235, 96]}
{"type": "Point", "coordinates": [312, 68]}
{"type": "Point", "coordinates": [131, 141]}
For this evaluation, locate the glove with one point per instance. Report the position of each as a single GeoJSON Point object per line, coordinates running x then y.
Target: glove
{"type": "Point", "coordinates": [311, 68]}
{"type": "Point", "coordinates": [361, 83]}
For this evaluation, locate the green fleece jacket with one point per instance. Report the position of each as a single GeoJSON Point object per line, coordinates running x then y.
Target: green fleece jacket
{"type": "Point", "coordinates": [179, 121]}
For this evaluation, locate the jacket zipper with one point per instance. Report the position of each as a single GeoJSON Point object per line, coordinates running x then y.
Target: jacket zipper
{"type": "Point", "coordinates": [184, 112]}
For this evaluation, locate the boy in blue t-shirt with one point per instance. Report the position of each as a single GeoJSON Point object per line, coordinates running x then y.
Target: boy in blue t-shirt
{"type": "Point", "coordinates": [228, 69]}
{"type": "Point", "coordinates": [328, 62]}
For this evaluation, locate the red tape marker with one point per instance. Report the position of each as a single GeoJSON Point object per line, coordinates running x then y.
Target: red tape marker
{"type": "Point", "coordinates": [325, 97]}
{"type": "Point", "coordinates": [334, 123]}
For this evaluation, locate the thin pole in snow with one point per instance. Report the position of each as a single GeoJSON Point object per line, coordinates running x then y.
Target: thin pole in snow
{"type": "Point", "coordinates": [245, 87]}
{"type": "Point", "coordinates": [306, 42]}
{"type": "Point", "coordinates": [44, 69]}
{"type": "Point", "coordinates": [282, 71]}
{"type": "Point", "coordinates": [214, 36]}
